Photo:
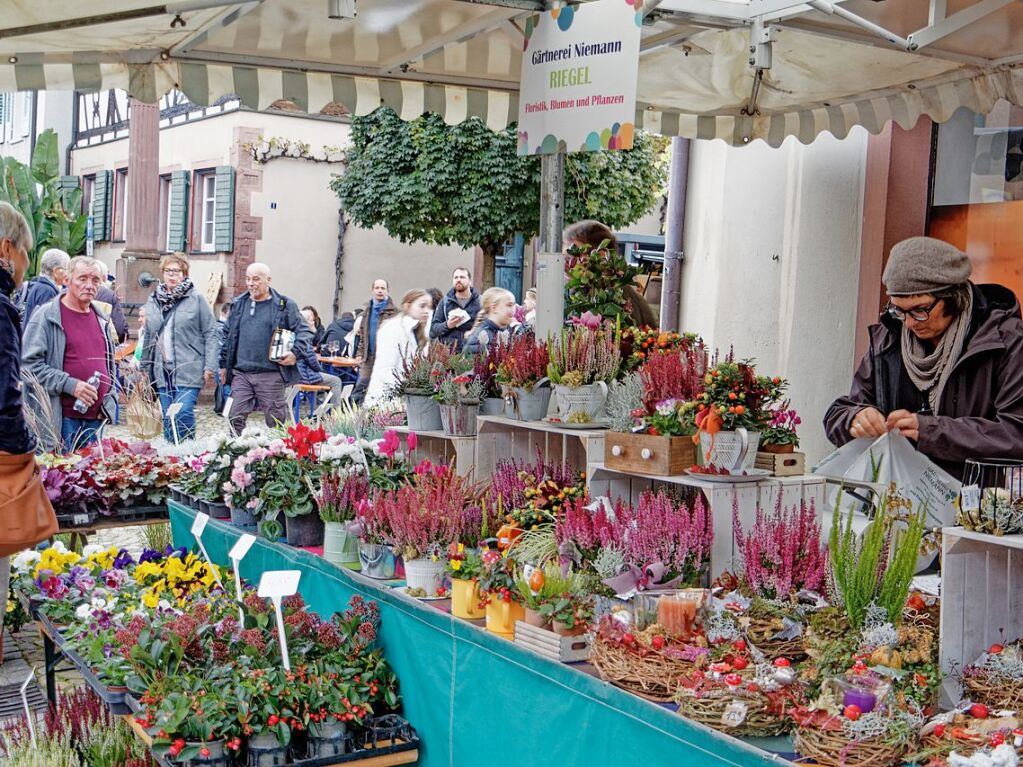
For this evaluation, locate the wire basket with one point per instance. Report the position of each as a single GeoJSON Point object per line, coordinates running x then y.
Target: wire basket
{"type": "Point", "coordinates": [991, 500]}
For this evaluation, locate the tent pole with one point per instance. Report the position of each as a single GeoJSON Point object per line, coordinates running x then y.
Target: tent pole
{"type": "Point", "coordinates": [550, 261]}
{"type": "Point", "coordinates": [671, 288]}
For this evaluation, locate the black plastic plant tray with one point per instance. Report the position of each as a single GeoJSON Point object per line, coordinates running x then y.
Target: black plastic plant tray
{"type": "Point", "coordinates": [137, 513]}
{"type": "Point", "coordinates": [70, 521]}
{"type": "Point", "coordinates": [112, 698]}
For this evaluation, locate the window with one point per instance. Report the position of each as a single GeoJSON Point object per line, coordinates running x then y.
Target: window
{"type": "Point", "coordinates": [88, 183]}
{"type": "Point", "coordinates": [205, 210]}
{"type": "Point", "coordinates": [165, 199]}
{"type": "Point", "coordinates": [6, 116]}
{"type": "Point", "coordinates": [120, 227]}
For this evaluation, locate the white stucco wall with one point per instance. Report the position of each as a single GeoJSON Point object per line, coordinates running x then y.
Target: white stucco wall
{"type": "Point", "coordinates": [772, 250]}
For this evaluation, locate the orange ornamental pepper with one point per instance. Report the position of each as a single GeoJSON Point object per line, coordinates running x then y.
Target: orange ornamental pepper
{"type": "Point", "coordinates": [536, 579]}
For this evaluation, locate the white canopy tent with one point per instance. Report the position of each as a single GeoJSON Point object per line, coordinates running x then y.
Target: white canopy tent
{"type": "Point", "coordinates": [731, 69]}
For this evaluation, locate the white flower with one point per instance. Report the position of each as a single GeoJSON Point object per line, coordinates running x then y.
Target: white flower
{"type": "Point", "coordinates": [83, 612]}
{"type": "Point", "coordinates": [92, 548]}
{"type": "Point", "coordinates": [60, 548]}
{"type": "Point", "coordinates": [25, 560]}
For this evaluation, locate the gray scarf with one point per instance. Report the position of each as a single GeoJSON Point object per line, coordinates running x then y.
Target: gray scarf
{"type": "Point", "coordinates": [930, 372]}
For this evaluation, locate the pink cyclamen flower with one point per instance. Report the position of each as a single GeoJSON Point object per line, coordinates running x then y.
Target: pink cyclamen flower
{"type": "Point", "coordinates": [412, 440]}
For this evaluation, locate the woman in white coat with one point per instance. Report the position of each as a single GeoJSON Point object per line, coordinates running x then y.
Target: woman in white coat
{"type": "Point", "coordinates": [398, 339]}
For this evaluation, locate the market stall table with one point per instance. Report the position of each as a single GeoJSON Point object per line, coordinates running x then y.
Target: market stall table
{"type": "Point", "coordinates": [472, 694]}
{"type": "Point", "coordinates": [504, 439]}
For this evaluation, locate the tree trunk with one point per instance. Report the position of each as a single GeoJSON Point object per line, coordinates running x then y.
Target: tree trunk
{"type": "Point", "coordinates": [342, 227]}
{"type": "Point", "coordinates": [489, 264]}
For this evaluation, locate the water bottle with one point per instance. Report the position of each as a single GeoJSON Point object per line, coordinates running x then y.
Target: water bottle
{"type": "Point", "coordinates": [80, 406]}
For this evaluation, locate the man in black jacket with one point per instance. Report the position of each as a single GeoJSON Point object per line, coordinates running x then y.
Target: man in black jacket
{"type": "Point", "coordinates": [47, 285]}
{"type": "Point", "coordinates": [456, 313]}
{"type": "Point", "coordinates": [257, 382]}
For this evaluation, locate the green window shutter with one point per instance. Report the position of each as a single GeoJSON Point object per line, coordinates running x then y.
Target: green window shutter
{"type": "Point", "coordinates": [67, 184]}
{"type": "Point", "coordinates": [177, 224]}
{"type": "Point", "coordinates": [102, 205]}
{"type": "Point", "coordinates": [223, 228]}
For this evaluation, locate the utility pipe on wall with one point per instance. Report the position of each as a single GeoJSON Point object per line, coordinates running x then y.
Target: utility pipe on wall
{"type": "Point", "coordinates": [671, 287]}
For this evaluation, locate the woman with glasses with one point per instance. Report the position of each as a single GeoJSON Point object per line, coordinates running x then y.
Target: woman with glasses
{"type": "Point", "coordinates": [945, 363]}
{"type": "Point", "coordinates": [180, 350]}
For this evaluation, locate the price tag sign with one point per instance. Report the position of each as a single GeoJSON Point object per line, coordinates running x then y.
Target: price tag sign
{"type": "Point", "coordinates": [198, 525]}
{"type": "Point", "coordinates": [734, 714]}
{"type": "Point", "coordinates": [275, 585]}
{"type": "Point", "coordinates": [171, 413]}
{"type": "Point", "coordinates": [227, 407]}
{"type": "Point", "coordinates": [969, 497]}
{"type": "Point", "coordinates": [237, 554]}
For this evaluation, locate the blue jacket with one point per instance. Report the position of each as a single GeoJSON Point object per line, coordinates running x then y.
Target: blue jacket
{"type": "Point", "coordinates": [454, 336]}
{"type": "Point", "coordinates": [15, 436]}
{"type": "Point", "coordinates": [309, 367]}
{"type": "Point", "coordinates": [38, 291]}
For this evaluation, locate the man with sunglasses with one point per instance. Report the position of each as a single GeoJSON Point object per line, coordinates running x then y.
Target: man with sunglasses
{"type": "Point", "coordinates": [944, 365]}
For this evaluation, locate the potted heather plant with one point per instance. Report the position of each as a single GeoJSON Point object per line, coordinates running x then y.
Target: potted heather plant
{"type": "Point", "coordinates": [459, 395]}
{"type": "Point", "coordinates": [485, 367]}
{"type": "Point", "coordinates": [340, 491]}
{"type": "Point", "coordinates": [583, 361]}
{"type": "Point", "coordinates": [653, 412]}
{"type": "Point", "coordinates": [417, 383]}
{"type": "Point", "coordinates": [522, 376]}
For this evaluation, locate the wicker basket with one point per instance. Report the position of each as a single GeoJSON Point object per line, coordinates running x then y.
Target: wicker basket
{"type": "Point", "coordinates": [653, 676]}
{"type": "Point", "coordinates": [758, 634]}
{"type": "Point", "coordinates": [709, 709]}
{"type": "Point", "coordinates": [832, 748]}
{"type": "Point", "coordinates": [996, 692]}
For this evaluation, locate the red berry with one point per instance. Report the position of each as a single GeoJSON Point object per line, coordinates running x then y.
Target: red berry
{"type": "Point", "coordinates": [978, 711]}
{"type": "Point", "coordinates": [739, 663]}
{"type": "Point", "coordinates": [739, 644]}
{"type": "Point", "coordinates": [204, 752]}
{"type": "Point", "coordinates": [852, 712]}
{"type": "Point", "coordinates": [273, 720]}
{"type": "Point", "coordinates": [657, 641]}
{"type": "Point", "coordinates": [995, 649]}
{"type": "Point", "coordinates": [782, 662]}
{"type": "Point", "coordinates": [939, 730]}
{"type": "Point", "coordinates": [753, 687]}
{"type": "Point", "coordinates": [733, 680]}
{"type": "Point", "coordinates": [629, 639]}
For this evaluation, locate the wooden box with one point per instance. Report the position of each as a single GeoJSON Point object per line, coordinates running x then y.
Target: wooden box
{"type": "Point", "coordinates": [550, 645]}
{"type": "Point", "coordinates": [647, 454]}
{"type": "Point", "coordinates": [782, 464]}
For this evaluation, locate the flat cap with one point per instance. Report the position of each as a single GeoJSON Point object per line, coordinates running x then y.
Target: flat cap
{"type": "Point", "coordinates": [925, 265]}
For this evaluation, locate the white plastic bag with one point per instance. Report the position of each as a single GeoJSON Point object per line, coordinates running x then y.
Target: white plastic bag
{"type": "Point", "coordinates": [891, 458]}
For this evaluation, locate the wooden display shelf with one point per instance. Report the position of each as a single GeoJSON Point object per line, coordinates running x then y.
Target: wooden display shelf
{"type": "Point", "coordinates": [438, 447]}
{"type": "Point", "coordinates": [721, 498]}
{"type": "Point", "coordinates": [981, 599]}
{"type": "Point", "coordinates": [503, 439]}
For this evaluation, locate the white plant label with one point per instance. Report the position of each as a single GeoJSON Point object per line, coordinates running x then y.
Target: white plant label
{"type": "Point", "coordinates": [237, 554]}
{"type": "Point", "coordinates": [227, 407]}
{"type": "Point", "coordinates": [275, 585]}
{"type": "Point", "coordinates": [970, 498]}
{"type": "Point", "coordinates": [172, 411]}
{"type": "Point", "coordinates": [199, 523]}
{"type": "Point", "coordinates": [734, 714]}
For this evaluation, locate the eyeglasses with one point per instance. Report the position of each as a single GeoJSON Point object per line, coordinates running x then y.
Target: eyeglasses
{"type": "Point", "coordinates": [917, 313]}
{"type": "Point", "coordinates": [172, 270]}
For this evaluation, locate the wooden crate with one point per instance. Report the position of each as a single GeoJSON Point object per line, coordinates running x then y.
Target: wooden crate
{"type": "Point", "coordinates": [720, 498]}
{"type": "Point", "coordinates": [981, 599]}
{"type": "Point", "coordinates": [647, 454]}
{"type": "Point", "coordinates": [503, 439]}
{"type": "Point", "coordinates": [438, 447]}
{"type": "Point", "coordinates": [551, 645]}
{"type": "Point", "coordinates": [782, 464]}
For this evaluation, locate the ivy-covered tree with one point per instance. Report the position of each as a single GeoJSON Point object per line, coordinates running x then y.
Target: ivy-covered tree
{"type": "Point", "coordinates": [425, 181]}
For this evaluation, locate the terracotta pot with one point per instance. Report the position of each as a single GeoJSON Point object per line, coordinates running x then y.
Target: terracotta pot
{"type": "Point", "coordinates": [777, 449]}
{"type": "Point", "coordinates": [536, 618]}
{"type": "Point", "coordinates": [562, 629]}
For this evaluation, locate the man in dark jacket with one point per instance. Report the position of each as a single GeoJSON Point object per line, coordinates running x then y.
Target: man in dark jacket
{"type": "Point", "coordinates": [944, 366]}
{"type": "Point", "coordinates": [47, 285]}
{"type": "Point", "coordinates": [338, 330]}
{"type": "Point", "coordinates": [107, 296]}
{"type": "Point", "coordinates": [380, 308]}
{"type": "Point", "coordinates": [457, 312]}
{"type": "Point", "coordinates": [257, 381]}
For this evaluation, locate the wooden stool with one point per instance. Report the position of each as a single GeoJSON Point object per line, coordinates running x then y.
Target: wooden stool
{"type": "Point", "coordinates": [307, 393]}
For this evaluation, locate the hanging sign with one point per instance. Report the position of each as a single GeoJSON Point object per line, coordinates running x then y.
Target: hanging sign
{"type": "Point", "coordinates": [578, 85]}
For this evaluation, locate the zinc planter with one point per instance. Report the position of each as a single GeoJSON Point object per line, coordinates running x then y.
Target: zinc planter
{"type": "Point", "coordinates": [339, 546]}
{"type": "Point", "coordinates": [501, 617]}
{"type": "Point", "coordinates": [377, 561]}
{"type": "Point", "coordinates": [304, 530]}
{"type": "Point", "coordinates": [586, 402]}
{"type": "Point", "coordinates": [527, 405]}
{"type": "Point", "coordinates": [266, 751]}
{"type": "Point", "coordinates": [424, 573]}
{"type": "Point", "coordinates": [492, 406]}
{"type": "Point", "coordinates": [459, 420]}
{"type": "Point", "coordinates": [733, 450]}
{"type": "Point", "coordinates": [423, 413]}
{"type": "Point", "coordinates": [465, 599]}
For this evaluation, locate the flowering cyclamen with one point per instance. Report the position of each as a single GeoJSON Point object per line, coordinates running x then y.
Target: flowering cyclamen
{"type": "Point", "coordinates": [782, 553]}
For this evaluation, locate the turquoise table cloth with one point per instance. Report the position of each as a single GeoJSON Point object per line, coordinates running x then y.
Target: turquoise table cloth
{"type": "Point", "coordinates": [478, 700]}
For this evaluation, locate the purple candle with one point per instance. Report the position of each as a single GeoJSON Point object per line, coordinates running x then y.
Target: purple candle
{"type": "Point", "coordinates": [857, 696]}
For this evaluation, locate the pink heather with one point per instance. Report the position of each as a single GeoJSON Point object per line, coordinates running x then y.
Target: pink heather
{"type": "Point", "coordinates": [782, 553]}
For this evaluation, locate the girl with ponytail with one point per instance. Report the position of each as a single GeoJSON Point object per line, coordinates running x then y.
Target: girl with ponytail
{"type": "Point", "coordinates": [495, 317]}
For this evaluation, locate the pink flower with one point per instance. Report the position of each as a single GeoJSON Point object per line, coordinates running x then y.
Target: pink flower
{"type": "Point", "coordinates": [588, 320]}
{"type": "Point", "coordinates": [389, 444]}
{"type": "Point", "coordinates": [411, 440]}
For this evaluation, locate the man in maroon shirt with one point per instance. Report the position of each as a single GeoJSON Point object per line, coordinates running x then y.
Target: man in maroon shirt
{"type": "Point", "coordinates": [68, 351]}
